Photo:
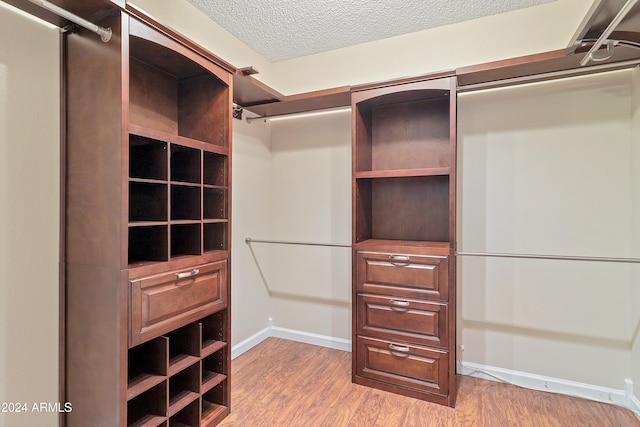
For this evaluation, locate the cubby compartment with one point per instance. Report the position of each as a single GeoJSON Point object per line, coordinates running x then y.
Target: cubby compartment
{"type": "Point", "coordinates": [149, 409]}
{"type": "Point", "coordinates": [147, 202]}
{"type": "Point", "coordinates": [213, 370]}
{"type": "Point", "coordinates": [214, 407]}
{"type": "Point", "coordinates": [187, 417]}
{"type": "Point", "coordinates": [184, 347]}
{"type": "Point", "coordinates": [147, 366]}
{"type": "Point", "coordinates": [212, 331]}
{"type": "Point", "coordinates": [215, 236]}
{"type": "Point", "coordinates": [147, 158]}
{"type": "Point", "coordinates": [214, 203]}
{"type": "Point", "coordinates": [185, 202]}
{"type": "Point", "coordinates": [148, 244]}
{"type": "Point", "coordinates": [185, 164]}
{"type": "Point", "coordinates": [214, 167]}
{"type": "Point", "coordinates": [409, 208]}
{"type": "Point", "coordinates": [184, 389]}
{"type": "Point", "coordinates": [186, 239]}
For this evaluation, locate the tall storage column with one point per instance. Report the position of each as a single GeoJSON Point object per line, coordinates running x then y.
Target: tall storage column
{"type": "Point", "coordinates": [148, 197]}
{"type": "Point", "coordinates": [404, 237]}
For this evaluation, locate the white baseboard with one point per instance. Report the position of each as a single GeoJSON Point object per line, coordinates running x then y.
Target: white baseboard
{"type": "Point", "coordinates": [634, 405]}
{"type": "Point", "coordinates": [290, 334]}
{"type": "Point", "coordinates": [250, 342]}
{"type": "Point", "coordinates": [310, 338]}
{"type": "Point", "coordinates": [553, 385]}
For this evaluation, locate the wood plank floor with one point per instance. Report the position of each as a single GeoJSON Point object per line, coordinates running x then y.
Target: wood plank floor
{"type": "Point", "coordinates": [285, 383]}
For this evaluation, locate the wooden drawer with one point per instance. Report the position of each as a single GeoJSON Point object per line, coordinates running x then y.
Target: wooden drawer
{"type": "Point", "coordinates": [418, 276]}
{"type": "Point", "coordinates": [404, 319]}
{"type": "Point", "coordinates": [163, 302]}
{"type": "Point", "coordinates": [415, 367]}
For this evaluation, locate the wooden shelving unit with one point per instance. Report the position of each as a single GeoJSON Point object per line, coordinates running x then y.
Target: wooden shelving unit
{"type": "Point", "coordinates": [148, 229]}
{"type": "Point", "coordinates": [404, 238]}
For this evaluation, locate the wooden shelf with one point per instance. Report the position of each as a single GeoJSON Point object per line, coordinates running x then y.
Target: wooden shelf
{"type": "Point", "coordinates": [149, 421]}
{"type": "Point", "coordinates": [210, 346]}
{"type": "Point", "coordinates": [210, 380]}
{"type": "Point", "coordinates": [212, 413]}
{"type": "Point", "coordinates": [142, 383]}
{"type": "Point", "coordinates": [181, 401]}
{"type": "Point", "coordinates": [181, 362]}
{"type": "Point", "coordinates": [399, 173]}
{"type": "Point", "coordinates": [303, 102]}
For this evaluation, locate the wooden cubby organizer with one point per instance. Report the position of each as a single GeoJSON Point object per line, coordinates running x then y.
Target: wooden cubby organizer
{"type": "Point", "coordinates": [147, 229]}
{"type": "Point", "coordinates": [403, 237]}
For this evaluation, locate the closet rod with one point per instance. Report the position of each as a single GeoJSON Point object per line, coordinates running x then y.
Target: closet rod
{"type": "Point", "coordinates": [606, 33]}
{"type": "Point", "coordinates": [301, 113]}
{"type": "Point", "coordinates": [104, 33]}
{"type": "Point", "coordinates": [574, 72]}
{"type": "Point", "coordinates": [249, 240]}
{"type": "Point", "coordinates": [549, 257]}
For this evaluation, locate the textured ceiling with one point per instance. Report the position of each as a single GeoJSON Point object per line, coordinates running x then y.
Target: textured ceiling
{"type": "Point", "coordinates": [284, 29]}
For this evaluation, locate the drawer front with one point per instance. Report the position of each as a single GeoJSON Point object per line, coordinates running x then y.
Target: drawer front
{"type": "Point", "coordinates": [166, 301]}
{"type": "Point", "coordinates": [404, 319]}
{"type": "Point", "coordinates": [418, 276]}
{"type": "Point", "coordinates": [410, 366]}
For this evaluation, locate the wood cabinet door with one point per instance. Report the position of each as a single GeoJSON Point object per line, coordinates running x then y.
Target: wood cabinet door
{"type": "Point", "coordinates": [163, 302]}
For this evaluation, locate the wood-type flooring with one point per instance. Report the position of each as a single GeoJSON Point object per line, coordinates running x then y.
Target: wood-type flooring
{"type": "Point", "coordinates": [282, 383]}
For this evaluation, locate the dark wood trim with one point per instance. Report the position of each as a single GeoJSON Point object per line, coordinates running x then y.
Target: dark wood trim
{"type": "Point", "coordinates": [303, 102]}
{"type": "Point", "coordinates": [394, 82]}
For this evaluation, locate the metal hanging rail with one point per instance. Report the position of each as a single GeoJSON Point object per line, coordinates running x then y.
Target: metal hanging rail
{"type": "Point", "coordinates": [300, 114]}
{"type": "Point", "coordinates": [606, 33]}
{"type": "Point", "coordinates": [249, 240]}
{"type": "Point", "coordinates": [549, 257]}
{"type": "Point", "coordinates": [104, 33]}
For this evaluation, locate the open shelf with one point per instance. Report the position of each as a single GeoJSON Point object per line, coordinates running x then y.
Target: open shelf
{"type": "Point", "coordinates": [147, 202]}
{"type": "Point", "coordinates": [147, 366]}
{"type": "Point", "coordinates": [404, 131]}
{"type": "Point", "coordinates": [147, 158]}
{"type": "Point", "coordinates": [411, 208]}
{"type": "Point", "coordinates": [149, 408]}
{"type": "Point", "coordinates": [185, 202]}
{"type": "Point", "coordinates": [184, 347]}
{"type": "Point", "coordinates": [212, 409]}
{"type": "Point", "coordinates": [184, 388]}
{"type": "Point", "coordinates": [187, 416]}
{"type": "Point", "coordinates": [214, 203]}
{"type": "Point", "coordinates": [148, 243]}
{"type": "Point", "coordinates": [173, 93]}
{"type": "Point", "coordinates": [185, 164]}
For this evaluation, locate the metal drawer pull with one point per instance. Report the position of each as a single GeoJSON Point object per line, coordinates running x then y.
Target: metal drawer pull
{"type": "Point", "coordinates": [399, 303]}
{"type": "Point", "coordinates": [188, 274]}
{"type": "Point", "coordinates": [399, 349]}
{"type": "Point", "coordinates": [399, 260]}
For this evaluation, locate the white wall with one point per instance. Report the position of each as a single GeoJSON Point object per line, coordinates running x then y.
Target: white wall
{"type": "Point", "coordinates": [545, 169]}
{"type": "Point", "coordinates": [311, 202]}
{"type": "Point", "coordinates": [29, 216]}
{"type": "Point", "coordinates": [251, 201]}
